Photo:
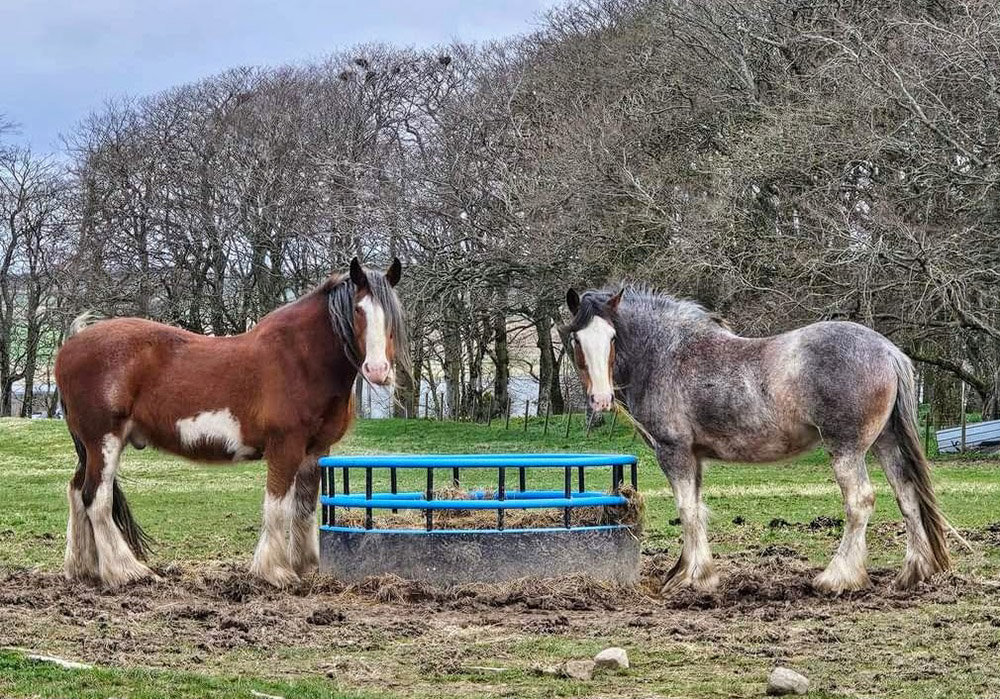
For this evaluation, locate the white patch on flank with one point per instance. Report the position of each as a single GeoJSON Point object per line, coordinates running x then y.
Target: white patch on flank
{"type": "Point", "coordinates": [595, 342]}
{"type": "Point", "coordinates": [215, 426]}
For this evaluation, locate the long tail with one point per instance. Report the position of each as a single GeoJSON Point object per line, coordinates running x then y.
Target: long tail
{"type": "Point", "coordinates": [139, 541]}
{"type": "Point", "coordinates": [916, 467]}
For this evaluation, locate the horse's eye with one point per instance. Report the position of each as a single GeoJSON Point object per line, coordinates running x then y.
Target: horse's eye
{"type": "Point", "coordinates": [359, 310]}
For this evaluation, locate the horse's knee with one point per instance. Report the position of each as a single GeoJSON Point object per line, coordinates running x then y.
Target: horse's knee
{"type": "Point", "coordinates": [860, 507]}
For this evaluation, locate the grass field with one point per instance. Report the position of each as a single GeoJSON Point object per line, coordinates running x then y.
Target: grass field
{"type": "Point", "coordinates": [207, 630]}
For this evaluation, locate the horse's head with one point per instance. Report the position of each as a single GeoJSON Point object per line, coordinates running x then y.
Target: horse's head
{"type": "Point", "coordinates": [369, 317]}
{"type": "Point", "coordinates": [593, 333]}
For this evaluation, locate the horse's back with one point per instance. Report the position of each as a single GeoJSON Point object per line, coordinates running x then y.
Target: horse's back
{"type": "Point", "coordinates": [843, 378]}
{"type": "Point", "coordinates": [109, 362]}
{"type": "Point", "coordinates": [766, 399]}
{"type": "Point", "coordinates": [113, 345]}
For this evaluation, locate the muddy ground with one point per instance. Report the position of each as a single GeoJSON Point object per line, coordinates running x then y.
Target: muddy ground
{"type": "Point", "coordinates": [393, 634]}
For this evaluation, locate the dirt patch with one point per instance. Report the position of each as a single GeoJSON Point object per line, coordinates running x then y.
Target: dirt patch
{"type": "Point", "coordinates": [214, 615]}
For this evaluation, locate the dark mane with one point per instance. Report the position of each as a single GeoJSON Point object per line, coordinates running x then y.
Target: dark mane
{"type": "Point", "coordinates": [592, 304]}
{"type": "Point", "coordinates": [641, 298]}
{"type": "Point", "coordinates": [341, 293]}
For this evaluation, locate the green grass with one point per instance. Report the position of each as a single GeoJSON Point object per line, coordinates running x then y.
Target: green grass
{"type": "Point", "coordinates": [211, 513]}
{"type": "Point", "coordinates": [199, 512]}
{"type": "Point", "coordinates": [25, 678]}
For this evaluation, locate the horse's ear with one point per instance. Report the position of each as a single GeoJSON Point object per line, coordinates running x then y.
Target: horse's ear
{"type": "Point", "coordinates": [616, 299]}
{"type": "Point", "coordinates": [572, 300]}
{"type": "Point", "coordinates": [395, 272]}
{"type": "Point", "coordinates": [358, 275]}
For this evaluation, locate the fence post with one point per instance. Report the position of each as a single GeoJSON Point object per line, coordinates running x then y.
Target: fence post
{"type": "Point", "coordinates": [569, 419]}
{"type": "Point", "coordinates": [927, 433]}
{"type": "Point", "coordinates": [963, 417]}
{"type": "Point", "coordinates": [527, 405]}
{"type": "Point", "coordinates": [507, 424]}
{"type": "Point", "coordinates": [441, 407]}
{"type": "Point", "coordinates": [548, 411]}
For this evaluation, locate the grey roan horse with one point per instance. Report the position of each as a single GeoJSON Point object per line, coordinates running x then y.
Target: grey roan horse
{"type": "Point", "coordinates": [700, 391]}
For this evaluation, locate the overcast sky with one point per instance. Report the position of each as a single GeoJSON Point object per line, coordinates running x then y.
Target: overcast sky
{"type": "Point", "coordinates": [60, 59]}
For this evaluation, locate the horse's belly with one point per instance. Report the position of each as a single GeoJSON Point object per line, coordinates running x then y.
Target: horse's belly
{"type": "Point", "coordinates": [759, 448]}
{"type": "Point", "coordinates": [210, 439]}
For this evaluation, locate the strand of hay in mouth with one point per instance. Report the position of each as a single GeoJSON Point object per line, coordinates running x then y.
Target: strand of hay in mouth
{"type": "Point", "coordinates": [631, 513]}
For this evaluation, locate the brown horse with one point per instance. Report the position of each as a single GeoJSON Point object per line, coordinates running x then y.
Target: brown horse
{"type": "Point", "coordinates": [281, 391]}
{"type": "Point", "coordinates": [702, 392]}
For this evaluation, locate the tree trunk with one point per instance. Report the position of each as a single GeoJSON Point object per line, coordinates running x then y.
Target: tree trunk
{"type": "Point", "coordinates": [453, 359]}
{"type": "Point", "coordinates": [31, 350]}
{"type": "Point", "coordinates": [546, 359]}
{"type": "Point", "coordinates": [501, 363]}
{"type": "Point", "coordinates": [408, 391]}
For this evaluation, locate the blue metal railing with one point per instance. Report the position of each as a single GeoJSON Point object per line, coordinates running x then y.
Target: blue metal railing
{"type": "Point", "coordinates": [520, 499]}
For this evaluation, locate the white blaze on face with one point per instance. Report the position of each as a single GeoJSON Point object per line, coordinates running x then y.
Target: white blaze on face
{"type": "Point", "coordinates": [219, 426]}
{"type": "Point", "coordinates": [376, 367]}
{"type": "Point", "coordinates": [595, 343]}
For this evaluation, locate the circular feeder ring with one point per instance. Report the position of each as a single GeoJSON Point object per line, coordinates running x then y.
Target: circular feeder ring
{"type": "Point", "coordinates": [449, 536]}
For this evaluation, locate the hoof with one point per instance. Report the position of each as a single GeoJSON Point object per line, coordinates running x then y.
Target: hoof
{"type": "Point", "coordinates": [76, 569]}
{"type": "Point", "coordinates": [120, 576]}
{"type": "Point", "coordinates": [915, 571]}
{"type": "Point", "coordinates": [277, 576]}
{"type": "Point", "coordinates": [306, 566]}
{"type": "Point", "coordinates": [702, 578]}
{"type": "Point", "coordinates": [835, 580]}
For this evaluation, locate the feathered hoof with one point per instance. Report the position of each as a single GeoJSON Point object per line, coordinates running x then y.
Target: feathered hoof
{"type": "Point", "coordinates": [114, 577]}
{"type": "Point", "coordinates": [75, 569]}
{"type": "Point", "coordinates": [278, 576]}
{"type": "Point", "coordinates": [306, 564]}
{"type": "Point", "coordinates": [837, 579]}
{"type": "Point", "coordinates": [915, 571]}
{"type": "Point", "coordinates": [702, 578]}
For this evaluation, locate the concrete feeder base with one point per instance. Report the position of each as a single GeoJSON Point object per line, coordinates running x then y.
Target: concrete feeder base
{"type": "Point", "coordinates": [455, 558]}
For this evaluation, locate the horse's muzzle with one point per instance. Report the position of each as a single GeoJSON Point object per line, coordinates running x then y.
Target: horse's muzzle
{"type": "Point", "coordinates": [378, 373]}
{"type": "Point", "coordinates": [601, 401]}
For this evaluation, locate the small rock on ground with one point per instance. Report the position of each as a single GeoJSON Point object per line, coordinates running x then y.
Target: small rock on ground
{"type": "Point", "coordinates": [579, 669]}
{"type": "Point", "coordinates": [783, 681]}
{"type": "Point", "coordinates": [61, 662]}
{"type": "Point", "coordinates": [612, 659]}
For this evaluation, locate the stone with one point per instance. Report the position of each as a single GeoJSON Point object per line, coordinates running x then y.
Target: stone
{"type": "Point", "coordinates": [612, 659]}
{"type": "Point", "coordinates": [579, 669]}
{"type": "Point", "coordinates": [783, 682]}
{"type": "Point", "coordinates": [61, 662]}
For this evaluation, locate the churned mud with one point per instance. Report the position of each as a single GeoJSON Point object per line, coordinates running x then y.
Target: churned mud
{"type": "Point", "coordinates": [216, 616]}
